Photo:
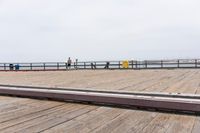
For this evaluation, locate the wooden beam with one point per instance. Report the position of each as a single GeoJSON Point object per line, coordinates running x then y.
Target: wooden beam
{"type": "Point", "coordinates": [182, 103]}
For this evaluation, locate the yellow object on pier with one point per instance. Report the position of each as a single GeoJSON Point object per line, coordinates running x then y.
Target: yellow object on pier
{"type": "Point", "coordinates": [125, 64]}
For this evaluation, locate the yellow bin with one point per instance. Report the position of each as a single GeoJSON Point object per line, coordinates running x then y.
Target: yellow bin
{"type": "Point", "coordinates": [125, 64]}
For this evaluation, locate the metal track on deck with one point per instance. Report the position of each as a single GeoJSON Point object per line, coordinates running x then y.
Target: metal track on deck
{"type": "Point", "coordinates": [161, 101]}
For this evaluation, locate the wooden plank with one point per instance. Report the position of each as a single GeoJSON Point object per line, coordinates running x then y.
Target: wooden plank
{"type": "Point", "coordinates": [196, 127]}
{"type": "Point", "coordinates": [59, 120]}
{"type": "Point", "coordinates": [128, 121]}
{"type": "Point", "coordinates": [159, 124]}
{"type": "Point", "coordinates": [33, 121]}
{"type": "Point", "coordinates": [181, 124]}
{"type": "Point", "coordinates": [89, 121]}
{"type": "Point", "coordinates": [47, 121]}
{"type": "Point", "coordinates": [15, 105]}
{"type": "Point", "coordinates": [31, 108]}
{"type": "Point", "coordinates": [30, 117]}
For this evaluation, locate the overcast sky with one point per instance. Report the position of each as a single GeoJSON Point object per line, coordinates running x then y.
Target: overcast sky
{"type": "Point", "coordinates": [52, 30]}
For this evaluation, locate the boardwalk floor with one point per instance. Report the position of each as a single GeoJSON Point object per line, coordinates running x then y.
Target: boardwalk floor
{"type": "Point", "coordinates": [180, 81]}
{"type": "Point", "coordinates": [28, 115]}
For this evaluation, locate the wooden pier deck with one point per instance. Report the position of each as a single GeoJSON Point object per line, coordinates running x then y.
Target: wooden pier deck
{"type": "Point", "coordinates": [178, 80]}
{"type": "Point", "coordinates": [28, 115]}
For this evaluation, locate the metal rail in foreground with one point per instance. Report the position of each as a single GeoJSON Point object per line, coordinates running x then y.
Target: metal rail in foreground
{"type": "Point", "coordinates": [170, 102]}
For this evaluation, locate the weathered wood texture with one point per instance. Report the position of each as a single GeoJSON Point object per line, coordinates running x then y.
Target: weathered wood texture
{"type": "Point", "coordinates": [27, 115]}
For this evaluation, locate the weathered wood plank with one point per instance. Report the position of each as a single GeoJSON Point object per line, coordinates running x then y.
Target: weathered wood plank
{"type": "Point", "coordinates": [47, 121]}
{"type": "Point", "coordinates": [30, 108]}
{"type": "Point", "coordinates": [89, 121]}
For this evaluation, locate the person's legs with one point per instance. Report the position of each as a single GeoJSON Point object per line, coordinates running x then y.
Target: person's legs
{"type": "Point", "coordinates": [66, 65]}
{"type": "Point", "coordinates": [69, 66]}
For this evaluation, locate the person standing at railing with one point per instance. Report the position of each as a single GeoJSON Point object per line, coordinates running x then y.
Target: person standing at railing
{"type": "Point", "coordinates": [11, 66]}
{"type": "Point", "coordinates": [93, 66]}
{"type": "Point", "coordinates": [69, 63]}
{"type": "Point", "coordinates": [107, 65]}
{"type": "Point", "coordinates": [17, 67]}
{"type": "Point", "coordinates": [76, 64]}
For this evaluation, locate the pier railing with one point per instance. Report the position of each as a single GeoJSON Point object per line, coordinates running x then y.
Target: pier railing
{"type": "Point", "coordinates": [132, 64]}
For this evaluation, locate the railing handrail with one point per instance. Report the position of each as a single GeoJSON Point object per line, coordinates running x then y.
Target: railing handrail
{"type": "Point", "coordinates": [133, 64]}
{"type": "Point", "coordinates": [165, 60]}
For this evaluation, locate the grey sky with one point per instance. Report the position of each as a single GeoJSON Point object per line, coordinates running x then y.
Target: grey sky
{"type": "Point", "coordinates": [52, 30]}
